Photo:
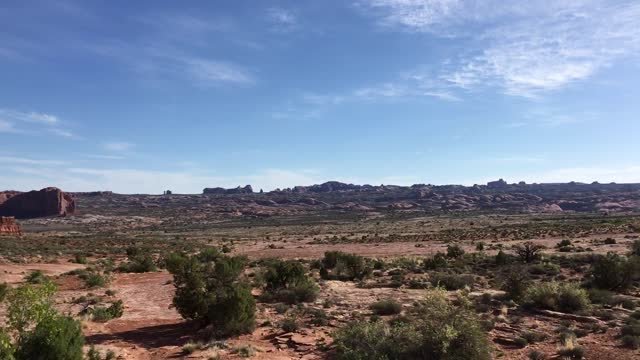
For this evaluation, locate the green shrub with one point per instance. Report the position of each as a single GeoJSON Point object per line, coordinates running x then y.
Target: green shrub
{"type": "Point", "coordinates": [515, 282]}
{"type": "Point", "coordinates": [208, 290]}
{"type": "Point", "coordinates": [564, 243]}
{"type": "Point", "coordinates": [613, 272]}
{"type": "Point", "coordinates": [318, 316]}
{"type": "Point", "coordinates": [438, 261]}
{"type": "Point", "coordinates": [536, 355]}
{"type": "Point", "coordinates": [566, 297]}
{"type": "Point", "coordinates": [102, 314]}
{"type": "Point", "coordinates": [140, 261]}
{"type": "Point", "coordinates": [290, 324]}
{"type": "Point", "coordinates": [520, 342]}
{"type": "Point", "coordinates": [544, 269]}
{"type": "Point", "coordinates": [631, 342]}
{"type": "Point", "coordinates": [454, 251]}
{"type": "Point", "coordinates": [600, 296]}
{"type": "Point", "coordinates": [28, 305]}
{"type": "Point", "coordinates": [452, 281]}
{"type": "Point", "coordinates": [94, 279]}
{"type": "Point", "coordinates": [634, 248]}
{"type": "Point", "coordinates": [80, 259]}
{"type": "Point", "coordinates": [287, 281]}
{"type": "Point", "coordinates": [528, 251]}
{"type": "Point", "coordinates": [36, 277]}
{"type": "Point", "coordinates": [501, 258]}
{"type": "Point", "coordinates": [341, 266]}
{"type": "Point", "coordinates": [437, 330]}
{"type": "Point", "coordinates": [7, 350]}
{"type": "Point", "coordinates": [4, 289]}
{"type": "Point", "coordinates": [56, 337]}
{"type": "Point", "coordinates": [386, 307]}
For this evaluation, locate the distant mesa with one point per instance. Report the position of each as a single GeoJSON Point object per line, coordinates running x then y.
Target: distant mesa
{"type": "Point", "coordinates": [167, 192]}
{"type": "Point", "coordinates": [329, 186]}
{"type": "Point", "coordinates": [222, 191]}
{"type": "Point", "coordinates": [33, 204]}
{"type": "Point", "coordinates": [8, 226]}
{"type": "Point", "coordinates": [498, 184]}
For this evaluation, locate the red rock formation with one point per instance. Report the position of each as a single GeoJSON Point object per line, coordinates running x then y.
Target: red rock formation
{"type": "Point", "coordinates": [8, 226]}
{"type": "Point", "coordinates": [32, 204]}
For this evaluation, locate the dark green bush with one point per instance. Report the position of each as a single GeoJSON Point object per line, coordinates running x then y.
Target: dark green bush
{"type": "Point", "coordinates": [515, 282]}
{"type": "Point", "coordinates": [613, 272]}
{"type": "Point", "coordinates": [631, 342]}
{"type": "Point", "coordinates": [454, 251]}
{"type": "Point", "coordinates": [437, 330]}
{"type": "Point", "coordinates": [36, 277]}
{"type": "Point", "coordinates": [528, 251]}
{"type": "Point", "coordinates": [54, 338]}
{"type": "Point", "coordinates": [341, 266]}
{"type": "Point", "coordinates": [634, 248]}
{"type": "Point", "coordinates": [140, 261]}
{"type": "Point", "coordinates": [452, 281]}
{"type": "Point", "coordinates": [501, 258]}
{"type": "Point", "coordinates": [4, 289]}
{"type": "Point", "coordinates": [287, 281]}
{"type": "Point", "coordinates": [438, 261]}
{"type": "Point", "coordinates": [386, 307]}
{"type": "Point", "coordinates": [290, 324]}
{"type": "Point", "coordinates": [566, 297]}
{"type": "Point", "coordinates": [208, 290]}
{"type": "Point", "coordinates": [94, 279]}
{"type": "Point", "coordinates": [80, 259]}
{"type": "Point", "coordinates": [104, 314]}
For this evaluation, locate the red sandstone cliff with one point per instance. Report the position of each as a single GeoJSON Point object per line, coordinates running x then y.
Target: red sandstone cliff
{"type": "Point", "coordinates": [32, 204]}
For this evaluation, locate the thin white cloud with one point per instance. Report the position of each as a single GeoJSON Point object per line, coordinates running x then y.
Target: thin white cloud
{"type": "Point", "coordinates": [283, 19]}
{"type": "Point", "coordinates": [32, 123]}
{"type": "Point", "coordinates": [208, 72]}
{"type": "Point", "coordinates": [6, 127]}
{"type": "Point", "coordinates": [524, 49]}
{"type": "Point", "coordinates": [169, 63]}
{"type": "Point", "coordinates": [29, 161]}
{"type": "Point", "coordinates": [62, 132]}
{"type": "Point", "coordinates": [118, 146]}
{"type": "Point", "coordinates": [31, 117]}
{"type": "Point", "coordinates": [105, 157]}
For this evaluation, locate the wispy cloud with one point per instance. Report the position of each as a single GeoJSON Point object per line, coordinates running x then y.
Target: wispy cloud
{"type": "Point", "coordinates": [104, 157]}
{"type": "Point", "coordinates": [524, 49]}
{"type": "Point", "coordinates": [7, 127]}
{"type": "Point", "coordinates": [118, 146]}
{"type": "Point", "coordinates": [29, 161]}
{"type": "Point", "coordinates": [32, 123]}
{"type": "Point", "coordinates": [282, 19]}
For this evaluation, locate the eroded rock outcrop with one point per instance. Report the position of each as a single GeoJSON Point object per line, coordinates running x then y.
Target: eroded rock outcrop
{"type": "Point", "coordinates": [8, 226]}
{"type": "Point", "coordinates": [222, 191]}
{"type": "Point", "coordinates": [46, 202]}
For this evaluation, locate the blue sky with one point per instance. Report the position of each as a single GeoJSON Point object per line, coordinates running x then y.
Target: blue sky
{"type": "Point", "coordinates": [151, 95]}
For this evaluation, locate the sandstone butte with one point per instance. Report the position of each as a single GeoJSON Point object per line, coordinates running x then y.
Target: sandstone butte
{"type": "Point", "coordinates": [46, 202]}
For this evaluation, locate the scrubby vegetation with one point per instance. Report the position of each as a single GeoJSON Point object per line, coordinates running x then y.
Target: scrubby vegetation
{"type": "Point", "coordinates": [209, 290]}
{"type": "Point", "coordinates": [140, 261]}
{"type": "Point", "coordinates": [287, 281]}
{"type": "Point", "coordinates": [436, 329]}
{"type": "Point", "coordinates": [40, 332]}
{"type": "Point", "coordinates": [340, 266]}
{"type": "Point", "coordinates": [566, 297]}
